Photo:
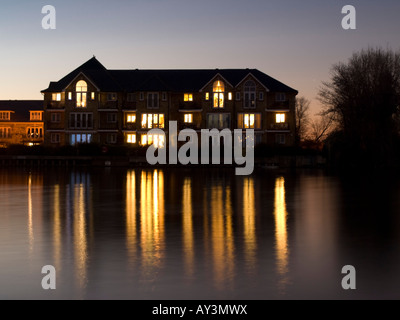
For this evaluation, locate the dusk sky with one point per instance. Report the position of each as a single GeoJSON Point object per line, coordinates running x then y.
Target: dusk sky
{"type": "Point", "coordinates": [293, 41]}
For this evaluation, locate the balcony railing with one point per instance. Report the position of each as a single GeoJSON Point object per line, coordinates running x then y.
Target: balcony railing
{"type": "Point", "coordinates": [108, 126]}
{"type": "Point", "coordinates": [55, 105]}
{"type": "Point", "coordinates": [190, 105]}
{"type": "Point", "coordinates": [130, 126]}
{"type": "Point", "coordinates": [279, 126]}
{"type": "Point", "coordinates": [284, 105]}
{"type": "Point", "coordinates": [193, 126]}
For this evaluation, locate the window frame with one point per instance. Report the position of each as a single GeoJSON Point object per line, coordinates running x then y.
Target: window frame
{"type": "Point", "coordinates": [53, 138]}
{"type": "Point", "coordinates": [55, 117]}
{"type": "Point", "coordinates": [155, 103]}
{"type": "Point", "coordinates": [249, 94]}
{"type": "Point", "coordinates": [280, 117]}
{"type": "Point", "coordinates": [255, 114]}
{"type": "Point", "coordinates": [154, 125]}
{"type": "Point", "coordinates": [188, 118]}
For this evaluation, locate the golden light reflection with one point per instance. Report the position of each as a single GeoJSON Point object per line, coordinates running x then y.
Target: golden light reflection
{"type": "Point", "coordinates": [80, 236]}
{"type": "Point", "coordinates": [152, 220]}
{"type": "Point", "coordinates": [250, 244]}
{"type": "Point", "coordinates": [281, 237]}
{"type": "Point", "coordinates": [187, 227]}
{"type": "Point", "coordinates": [131, 235]}
{"type": "Point", "coordinates": [222, 236]}
{"type": "Point", "coordinates": [30, 216]}
{"type": "Point", "coordinates": [57, 228]}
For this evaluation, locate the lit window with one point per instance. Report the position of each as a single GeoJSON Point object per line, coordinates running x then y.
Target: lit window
{"type": "Point", "coordinates": [249, 121]}
{"type": "Point", "coordinates": [218, 90]}
{"type": "Point", "coordinates": [80, 138]}
{"type": "Point", "coordinates": [188, 118]}
{"type": "Point", "coordinates": [34, 133]}
{"type": "Point", "coordinates": [4, 115]}
{"type": "Point", "coordinates": [131, 138]}
{"type": "Point", "coordinates": [152, 120]}
{"type": "Point", "coordinates": [207, 97]}
{"type": "Point", "coordinates": [249, 94]}
{"type": "Point", "coordinates": [280, 118]}
{"type": "Point", "coordinates": [81, 94]}
{"type": "Point", "coordinates": [5, 133]}
{"type": "Point", "coordinates": [280, 97]}
{"type": "Point", "coordinates": [188, 97]}
{"type": "Point", "coordinates": [36, 116]}
{"type": "Point", "coordinates": [56, 97]}
{"type": "Point", "coordinates": [131, 118]}
{"type": "Point", "coordinates": [93, 95]}
{"type": "Point", "coordinates": [69, 95]}
{"type": "Point", "coordinates": [230, 96]}
{"type": "Point", "coordinates": [158, 140]}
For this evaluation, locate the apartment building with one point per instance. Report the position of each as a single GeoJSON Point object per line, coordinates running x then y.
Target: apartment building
{"type": "Point", "coordinates": [117, 107]}
{"type": "Point", "coordinates": [21, 122]}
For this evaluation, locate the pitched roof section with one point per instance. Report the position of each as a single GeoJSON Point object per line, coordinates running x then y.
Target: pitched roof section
{"type": "Point", "coordinates": [94, 70]}
{"type": "Point", "coordinates": [21, 108]}
{"type": "Point", "coordinates": [178, 80]}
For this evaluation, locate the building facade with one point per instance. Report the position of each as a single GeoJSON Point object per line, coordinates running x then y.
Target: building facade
{"type": "Point", "coordinates": [116, 107]}
{"type": "Point", "coordinates": [21, 122]}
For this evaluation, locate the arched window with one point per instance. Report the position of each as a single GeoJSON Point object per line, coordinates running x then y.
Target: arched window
{"type": "Point", "coordinates": [218, 89]}
{"type": "Point", "coordinates": [81, 94]}
{"type": "Point", "coordinates": [249, 94]}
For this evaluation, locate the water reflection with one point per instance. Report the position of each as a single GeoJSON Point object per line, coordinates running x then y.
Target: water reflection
{"type": "Point", "coordinates": [151, 221]}
{"type": "Point", "coordinates": [249, 225]}
{"type": "Point", "coordinates": [131, 235]}
{"type": "Point", "coordinates": [187, 227]}
{"type": "Point", "coordinates": [57, 232]}
{"type": "Point", "coordinates": [222, 238]}
{"type": "Point", "coordinates": [281, 237]}
{"type": "Point", "coordinates": [30, 216]}
{"type": "Point", "coordinates": [79, 196]}
{"type": "Point", "coordinates": [209, 235]}
{"type": "Point", "coordinates": [35, 211]}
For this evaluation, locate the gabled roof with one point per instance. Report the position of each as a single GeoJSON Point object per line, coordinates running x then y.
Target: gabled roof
{"type": "Point", "coordinates": [94, 70]}
{"type": "Point", "coordinates": [178, 80]}
{"type": "Point", "coordinates": [21, 108]}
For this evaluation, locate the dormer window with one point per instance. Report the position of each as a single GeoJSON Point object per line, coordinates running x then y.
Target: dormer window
{"type": "Point", "coordinates": [81, 94]}
{"type": "Point", "coordinates": [5, 115]}
{"type": "Point", "coordinates": [36, 115]}
{"type": "Point", "coordinates": [218, 90]}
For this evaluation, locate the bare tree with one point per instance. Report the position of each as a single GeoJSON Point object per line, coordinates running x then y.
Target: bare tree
{"type": "Point", "coordinates": [320, 127]}
{"type": "Point", "coordinates": [364, 96]}
{"type": "Point", "coordinates": [302, 118]}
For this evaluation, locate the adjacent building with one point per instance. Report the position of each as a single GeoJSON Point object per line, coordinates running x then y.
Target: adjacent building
{"type": "Point", "coordinates": [116, 107]}
{"type": "Point", "coordinates": [21, 122]}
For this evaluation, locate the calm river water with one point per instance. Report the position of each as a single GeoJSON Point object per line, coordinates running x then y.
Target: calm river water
{"type": "Point", "coordinates": [198, 234]}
